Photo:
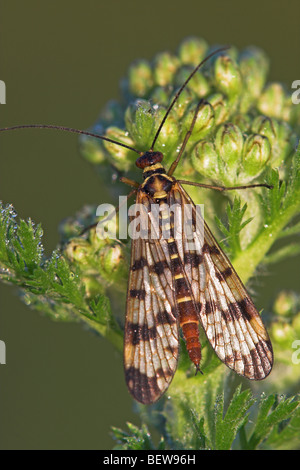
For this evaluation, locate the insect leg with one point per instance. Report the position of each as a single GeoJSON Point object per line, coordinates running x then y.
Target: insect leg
{"type": "Point", "coordinates": [132, 183]}
{"type": "Point", "coordinates": [225, 188]}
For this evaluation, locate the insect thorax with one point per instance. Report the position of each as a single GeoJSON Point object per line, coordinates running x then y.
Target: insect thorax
{"type": "Point", "coordinates": [157, 183]}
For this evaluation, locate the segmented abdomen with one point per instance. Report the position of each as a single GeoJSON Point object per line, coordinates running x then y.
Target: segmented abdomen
{"type": "Point", "coordinates": [186, 307]}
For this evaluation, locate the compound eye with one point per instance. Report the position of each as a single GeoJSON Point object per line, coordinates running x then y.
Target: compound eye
{"type": "Point", "coordinates": [149, 159]}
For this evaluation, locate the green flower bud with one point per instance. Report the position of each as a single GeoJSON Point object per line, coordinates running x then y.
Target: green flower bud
{"type": "Point", "coordinates": [266, 126]}
{"type": "Point", "coordinates": [140, 78]}
{"type": "Point", "coordinates": [120, 157]}
{"type": "Point", "coordinates": [192, 50]}
{"type": "Point", "coordinates": [140, 122]}
{"type": "Point", "coordinates": [169, 137]}
{"type": "Point", "coordinates": [227, 76]}
{"type": "Point", "coordinates": [78, 250]}
{"type": "Point", "coordinates": [182, 103]}
{"type": "Point", "coordinates": [280, 135]}
{"type": "Point", "coordinates": [287, 112]}
{"type": "Point", "coordinates": [92, 150]}
{"type": "Point", "coordinates": [243, 121]}
{"type": "Point", "coordinates": [282, 333]}
{"type": "Point", "coordinates": [272, 101]}
{"type": "Point", "coordinates": [269, 128]}
{"type": "Point", "coordinates": [204, 159]}
{"type": "Point", "coordinates": [254, 67]}
{"type": "Point", "coordinates": [286, 304]}
{"type": "Point", "coordinates": [204, 122]}
{"type": "Point", "coordinates": [229, 145]}
{"type": "Point", "coordinates": [286, 142]}
{"type": "Point", "coordinates": [105, 232]}
{"type": "Point", "coordinates": [257, 152]}
{"type": "Point", "coordinates": [113, 265]}
{"type": "Point", "coordinates": [220, 107]}
{"type": "Point", "coordinates": [160, 96]}
{"type": "Point", "coordinates": [199, 85]}
{"type": "Point", "coordinates": [165, 66]}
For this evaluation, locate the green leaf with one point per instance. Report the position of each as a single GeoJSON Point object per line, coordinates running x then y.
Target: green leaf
{"type": "Point", "coordinates": [135, 439]}
{"type": "Point", "coordinates": [202, 441]}
{"type": "Point", "coordinates": [20, 246]}
{"type": "Point", "coordinates": [235, 214]}
{"type": "Point", "coordinates": [49, 285]}
{"type": "Point", "coordinates": [286, 435]}
{"type": "Point", "coordinates": [293, 188]}
{"type": "Point", "coordinates": [272, 202]}
{"type": "Point", "coordinates": [272, 412]}
{"type": "Point", "coordinates": [228, 425]}
{"type": "Point", "coordinates": [190, 408]}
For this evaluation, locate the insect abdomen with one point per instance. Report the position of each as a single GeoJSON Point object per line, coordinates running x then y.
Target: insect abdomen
{"type": "Point", "coordinates": [188, 316]}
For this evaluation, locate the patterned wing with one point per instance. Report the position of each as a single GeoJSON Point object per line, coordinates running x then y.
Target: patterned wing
{"type": "Point", "coordinates": [151, 327]}
{"type": "Point", "coordinates": [230, 320]}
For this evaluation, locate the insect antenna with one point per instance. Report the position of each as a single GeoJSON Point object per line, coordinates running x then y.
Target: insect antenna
{"type": "Point", "coordinates": [217, 51]}
{"type": "Point", "coordinates": [69, 129]}
{"type": "Point", "coordinates": [97, 136]}
{"type": "Point", "coordinates": [82, 132]}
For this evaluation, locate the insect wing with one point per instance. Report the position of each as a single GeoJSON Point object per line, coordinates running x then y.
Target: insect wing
{"type": "Point", "coordinates": [227, 314]}
{"type": "Point", "coordinates": [151, 327]}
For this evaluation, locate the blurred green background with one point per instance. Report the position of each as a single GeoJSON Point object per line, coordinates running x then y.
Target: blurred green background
{"type": "Point", "coordinates": [63, 387]}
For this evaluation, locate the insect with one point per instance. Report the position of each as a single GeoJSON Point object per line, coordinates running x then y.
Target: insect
{"type": "Point", "coordinates": [173, 286]}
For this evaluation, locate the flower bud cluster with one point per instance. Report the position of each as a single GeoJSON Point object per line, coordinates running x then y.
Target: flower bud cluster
{"type": "Point", "coordinates": [101, 261]}
{"type": "Point", "coordinates": [244, 124]}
